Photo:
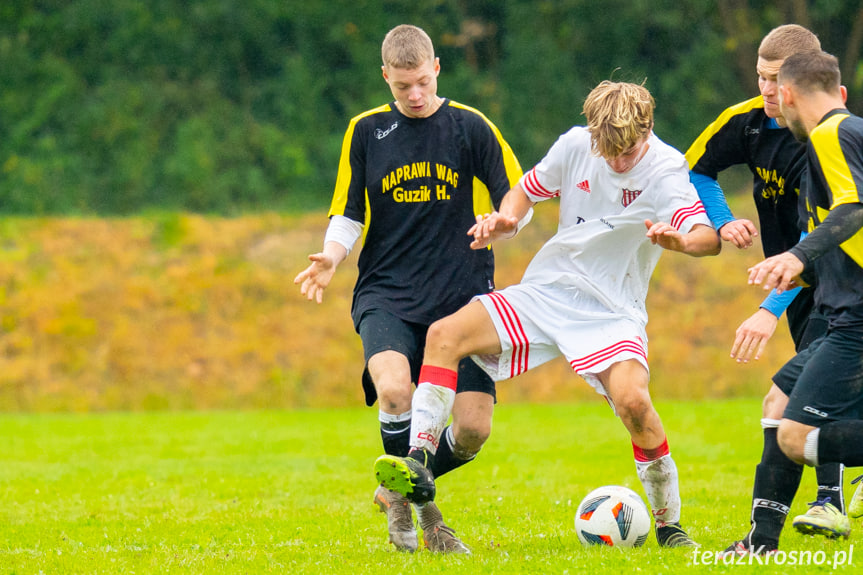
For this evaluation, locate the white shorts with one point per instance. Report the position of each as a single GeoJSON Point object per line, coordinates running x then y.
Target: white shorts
{"type": "Point", "coordinates": [537, 323]}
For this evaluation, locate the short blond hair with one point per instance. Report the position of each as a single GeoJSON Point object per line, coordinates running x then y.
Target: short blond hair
{"type": "Point", "coordinates": [783, 41]}
{"type": "Point", "coordinates": [618, 115]}
{"type": "Point", "coordinates": [406, 47]}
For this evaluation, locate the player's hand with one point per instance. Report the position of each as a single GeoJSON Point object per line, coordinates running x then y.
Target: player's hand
{"type": "Point", "coordinates": [739, 232]}
{"type": "Point", "coordinates": [316, 277]}
{"type": "Point", "coordinates": [781, 272]}
{"type": "Point", "coordinates": [665, 236]}
{"type": "Point", "coordinates": [491, 227]}
{"type": "Point", "coordinates": [752, 336]}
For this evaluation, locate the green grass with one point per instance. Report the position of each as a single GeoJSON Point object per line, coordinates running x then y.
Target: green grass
{"type": "Point", "coordinates": [290, 492]}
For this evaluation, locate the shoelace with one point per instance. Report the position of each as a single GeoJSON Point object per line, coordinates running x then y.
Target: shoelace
{"type": "Point", "coordinates": [823, 502]}
{"type": "Point", "coordinates": [445, 537]}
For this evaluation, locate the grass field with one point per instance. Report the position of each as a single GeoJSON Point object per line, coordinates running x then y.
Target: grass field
{"type": "Point", "coordinates": [290, 492]}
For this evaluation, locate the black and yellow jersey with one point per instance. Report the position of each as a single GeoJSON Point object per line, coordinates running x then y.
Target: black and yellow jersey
{"type": "Point", "coordinates": [742, 135]}
{"type": "Point", "coordinates": [835, 156]}
{"type": "Point", "coordinates": [417, 185]}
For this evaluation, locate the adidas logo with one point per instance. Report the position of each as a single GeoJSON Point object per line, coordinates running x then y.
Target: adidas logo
{"type": "Point", "coordinates": [584, 186]}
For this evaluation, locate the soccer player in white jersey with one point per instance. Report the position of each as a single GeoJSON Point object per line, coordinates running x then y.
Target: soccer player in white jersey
{"type": "Point", "coordinates": [624, 196]}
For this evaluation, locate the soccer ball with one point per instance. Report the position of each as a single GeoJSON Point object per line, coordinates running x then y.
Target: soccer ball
{"type": "Point", "coordinates": [612, 515]}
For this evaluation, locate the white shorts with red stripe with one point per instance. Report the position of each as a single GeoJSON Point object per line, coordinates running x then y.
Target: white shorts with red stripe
{"type": "Point", "coordinates": [537, 323]}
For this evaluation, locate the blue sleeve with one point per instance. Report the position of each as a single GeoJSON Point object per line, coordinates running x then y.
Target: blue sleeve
{"type": "Point", "coordinates": [777, 303]}
{"type": "Point", "coordinates": [713, 198]}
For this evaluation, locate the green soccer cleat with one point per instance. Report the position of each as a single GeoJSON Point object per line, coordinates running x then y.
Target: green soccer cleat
{"type": "Point", "coordinates": [823, 518]}
{"type": "Point", "coordinates": [855, 506]}
{"type": "Point", "coordinates": [407, 476]}
{"type": "Point", "coordinates": [673, 535]}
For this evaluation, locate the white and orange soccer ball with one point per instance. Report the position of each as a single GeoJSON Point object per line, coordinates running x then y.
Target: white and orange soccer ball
{"type": "Point", "coordinates": [614, 516]}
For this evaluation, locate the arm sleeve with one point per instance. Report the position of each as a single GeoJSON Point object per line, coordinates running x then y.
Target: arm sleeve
{"type": "Point", "coordinates": [543, 181]}
{"type": "Point", "coordinates": [713, 198]}
{"type": "Point", "coordinates": [344, 231]}
{"type": "Point", "coordinates": [839, 226]}
{"type": "Point", "coordinates": [778, 303]}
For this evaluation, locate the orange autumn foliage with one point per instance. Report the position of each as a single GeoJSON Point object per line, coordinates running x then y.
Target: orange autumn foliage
{"type": "Point", "coordinates": [176, 311]}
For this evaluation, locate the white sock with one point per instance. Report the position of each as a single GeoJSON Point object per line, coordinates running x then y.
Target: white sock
{"type": "Point", "coordinates": [432, 405]}
{"type": "Point", "coordinates": [385, 417]}
{"type": "Point", "coordinates": [810, 447]}
{"type": "Point", "coordinates": [659, 479]}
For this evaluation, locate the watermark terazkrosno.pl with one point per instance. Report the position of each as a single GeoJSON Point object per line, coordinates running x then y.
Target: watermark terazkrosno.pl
{"type": "Point", "coordinates": [839, 558]}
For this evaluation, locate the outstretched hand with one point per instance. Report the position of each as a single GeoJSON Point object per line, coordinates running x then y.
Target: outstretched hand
{"type": "Point", "coordinates": [739, 232]}
{"type": "Point", "coordinates": [491, 227]}
{"type": "Point", "coordinates": [752, 336]}
{"type": "Point", "coordinates": [665, 236]}
{"type": "Point", "coordinates": [781, 272]}
{"type": "Point", "coordinates": [317, 276]}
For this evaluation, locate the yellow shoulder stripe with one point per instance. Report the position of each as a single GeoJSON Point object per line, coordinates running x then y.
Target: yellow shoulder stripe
{"type": "Point", "coordinates": [843, 189]}
{"type": "Point", "coordinates": [825, 141]}
{"type": "Point", "coordinates": [343, 180]}
{"type": "Point", "coordinates": [698, 147]}
{"type": "Point", "coordinates": [482, 203]}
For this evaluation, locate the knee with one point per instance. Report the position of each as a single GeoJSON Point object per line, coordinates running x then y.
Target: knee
{"type": "Point", "coordinates": [774, 403]}
{"type": "Point", "coordinates": [634, 408]}
{"type": "Point", "coordinates": [791, 442]}
{"type": "Point", "coordinates": [469, 438]}
{"type": "Point", "coordinates": [394, 395]}
{"type": "Point", "coordinates": [443, 338]}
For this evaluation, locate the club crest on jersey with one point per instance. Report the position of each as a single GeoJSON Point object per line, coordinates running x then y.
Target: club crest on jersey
{"type": "Point", "coordinates": [629, 196]}
{"type": "Point", "coordinates": [381, 134]}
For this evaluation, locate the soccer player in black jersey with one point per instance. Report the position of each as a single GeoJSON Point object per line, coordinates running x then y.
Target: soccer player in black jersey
{"type": "Point", "coordinates": [824, 418]}
{"type": "Point", "coordinates": [754, 133]}
{"type": "Point", "coordinates": [413, 176]}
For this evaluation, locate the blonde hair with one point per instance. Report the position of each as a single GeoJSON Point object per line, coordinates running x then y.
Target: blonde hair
{"type": "Point", "coordinates": [618, 115]}
{"type": "Point", "coordinates": [783, 41]}
{"type": "Point", "coordinates": [406, 47]}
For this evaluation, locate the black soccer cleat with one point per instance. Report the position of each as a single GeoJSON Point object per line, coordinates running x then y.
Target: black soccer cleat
{"type": "Point", "coordinates": [744, 549]}
{"type": "Point", "coordinates": [407, 476]}
{"type": "Point", "coordinates": [673, 535]}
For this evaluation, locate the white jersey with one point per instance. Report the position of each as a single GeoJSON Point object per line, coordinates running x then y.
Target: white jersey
{"type": "Point", "coordinates": [601, 246]}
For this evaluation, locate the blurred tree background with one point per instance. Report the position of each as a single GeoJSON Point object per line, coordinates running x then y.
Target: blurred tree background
{"type": "Point", "coordinates": [165, 166]}
{"type": "Point", "coordinates": [114, 107]}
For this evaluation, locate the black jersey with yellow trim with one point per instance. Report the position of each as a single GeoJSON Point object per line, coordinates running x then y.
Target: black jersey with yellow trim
{"type": "Point", "coordinates": [417, 185]}
{"type": "Point", "coordinates": [742, 135]}
{"type": "Point", "coordinates": [835, 159]}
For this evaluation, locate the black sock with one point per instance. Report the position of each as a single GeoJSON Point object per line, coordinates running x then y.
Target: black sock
{"type": "Point", "coordinates": [445, 460]}
{"type": "Point", "coordinates": [830, 478]}
{"type": "Point", "coordinates": [840, 441]}
{"type": "Point", "coordinates": [423, 456]}
{"type": "Point", "coordinates": [776, 482]}
{"type": "Point", "coordinates": [396, 436]}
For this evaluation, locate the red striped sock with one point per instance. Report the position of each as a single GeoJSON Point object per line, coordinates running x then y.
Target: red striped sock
{"type": "Point", "coordinates": [438, 376]}
{"type": "Point", "coordinates": [645, 455]}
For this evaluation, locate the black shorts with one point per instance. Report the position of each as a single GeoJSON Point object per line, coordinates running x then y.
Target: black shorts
{"type": "Point", "coordinates": [825, 380]}
{"type": "Point", "coordinates": [804, 324]}
{"type": "Point", "coordinates": [382, 331]}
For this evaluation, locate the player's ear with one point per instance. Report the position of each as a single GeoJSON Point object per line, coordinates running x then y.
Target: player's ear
{"type": "Point", "coordinates": [786, 95]}
{"type": "Point", "coordinates": [436, 66]}
{"type": "Point", "coordinates": [384, 73]}
{"type": "Point", "coordinates": [844, 92]}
